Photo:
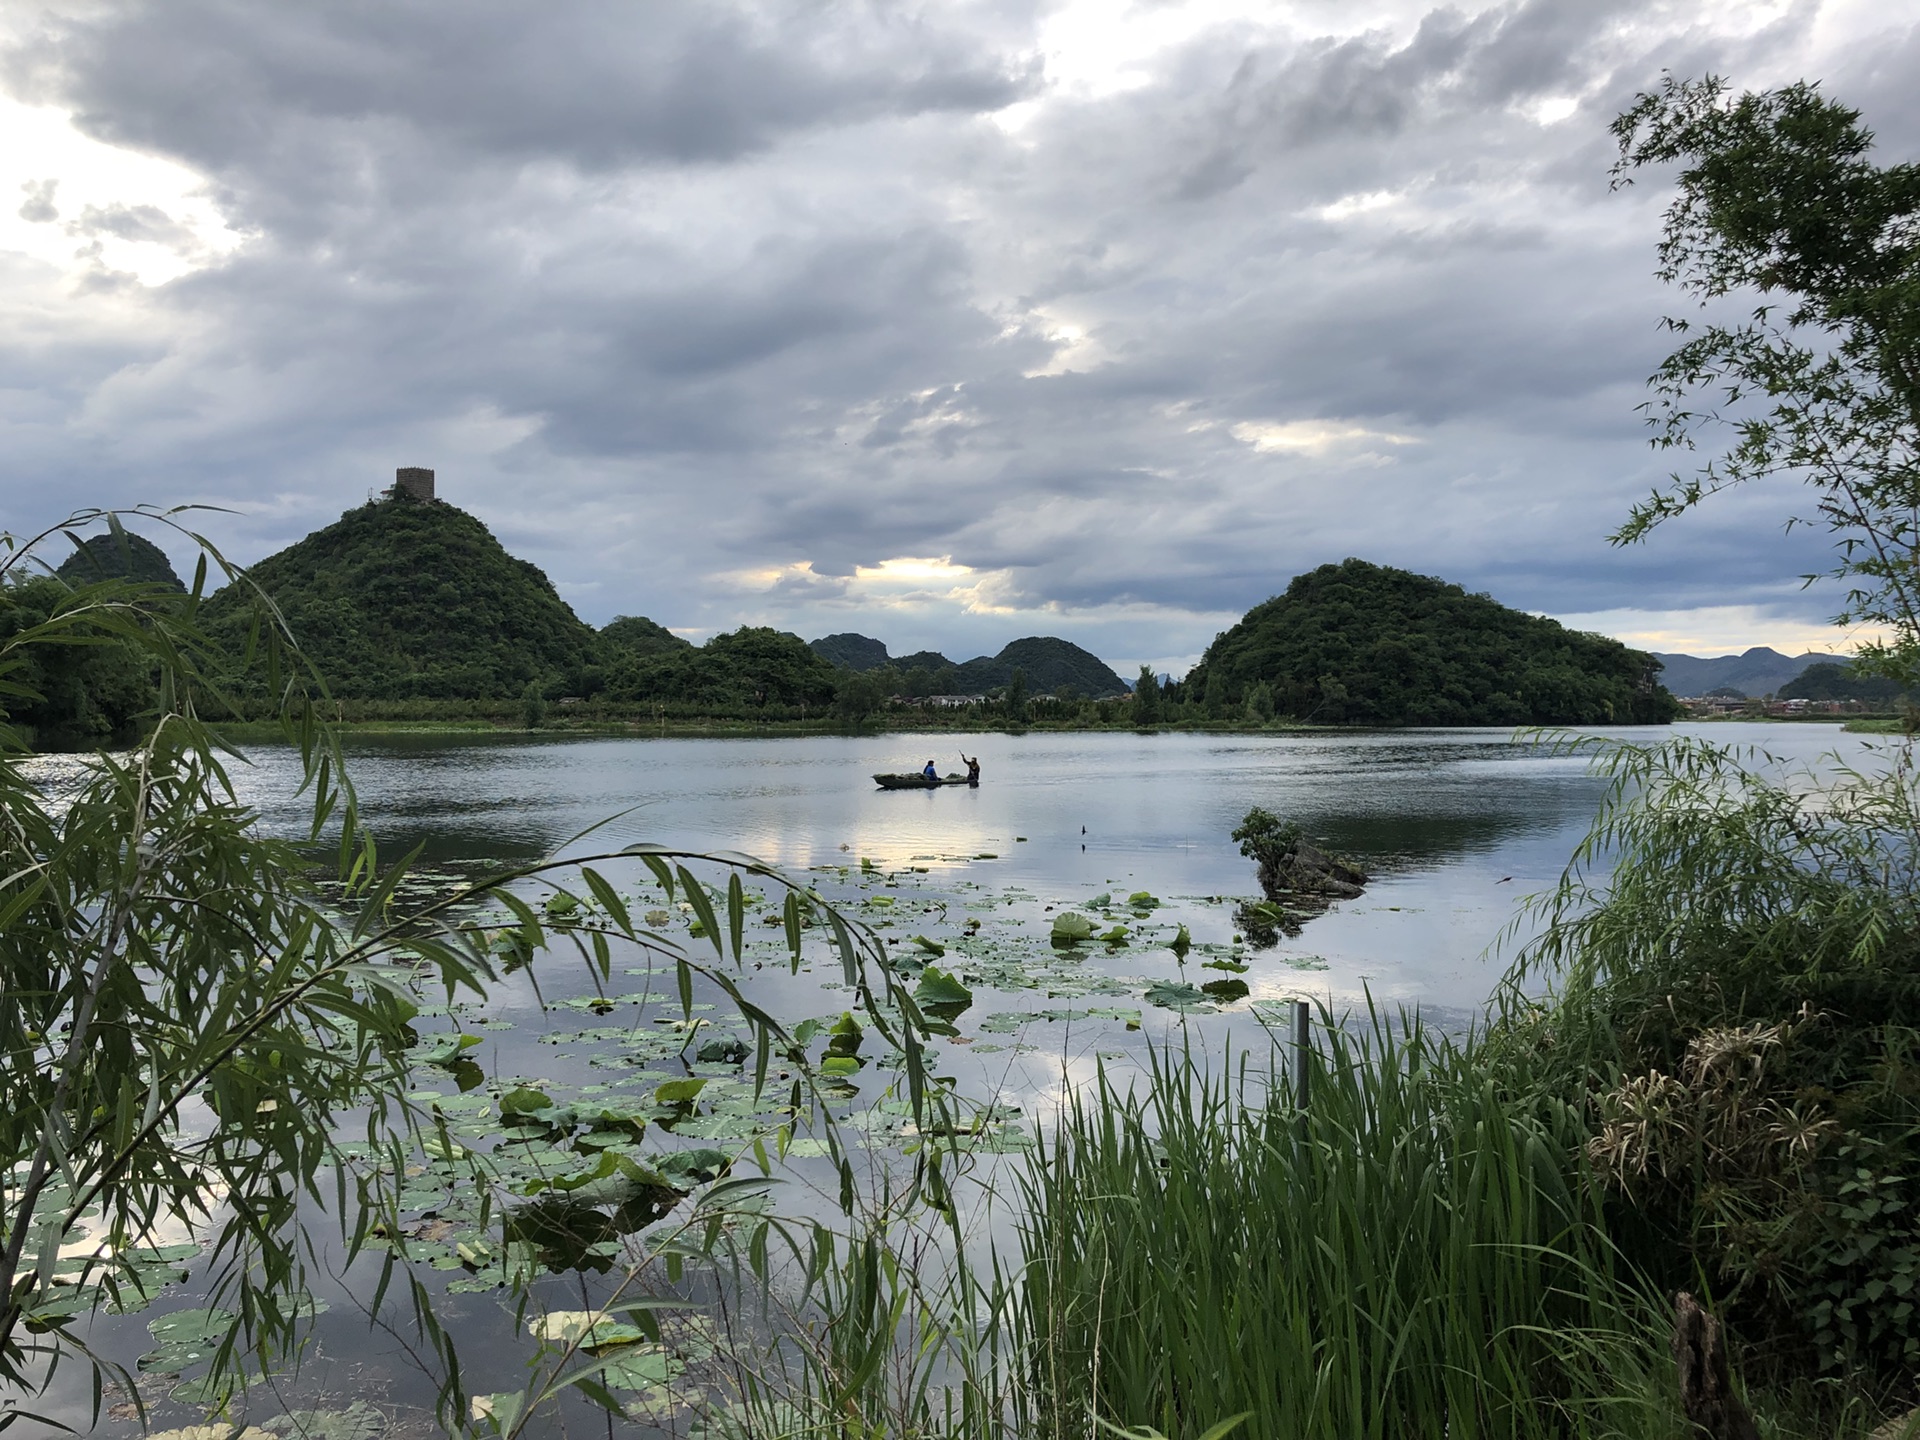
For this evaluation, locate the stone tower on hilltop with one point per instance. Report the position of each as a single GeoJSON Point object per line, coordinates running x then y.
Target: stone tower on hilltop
{"type": "Point", "coordinates": [414, 480]}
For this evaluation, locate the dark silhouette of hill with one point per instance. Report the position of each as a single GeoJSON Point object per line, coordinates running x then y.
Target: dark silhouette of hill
{"type": "Point", "coordinates": [850, 651]}
{"type": "Point", "coordinates": [404, 598]}
{"type": "Point", "coordinates": [125, 556]}
{"type": "Point", "coordinates": [1756, 672]}
{"type": "Point", "coordinates": [1356, 643]}
{"type": "Point", "coordinates": [1826, 681]}
{"type": "Point", "coordinates": [1047, 663]}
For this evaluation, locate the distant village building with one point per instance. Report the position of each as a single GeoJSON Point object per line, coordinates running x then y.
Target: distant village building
{"type": "Point", "coordinates": [939, 702]}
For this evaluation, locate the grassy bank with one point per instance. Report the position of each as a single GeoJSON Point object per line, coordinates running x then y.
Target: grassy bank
{"type": "Point", "coordinates": [1418, 1252]}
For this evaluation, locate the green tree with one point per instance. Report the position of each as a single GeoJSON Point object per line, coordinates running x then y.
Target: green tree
{"type": "Point", "coordinates": [1260, 702]}
{"type": "Point", "coordinates": [533, 706]}
{"type": "Point", "coordinates": [1820, 380]}
{"type": "Point", "coordinates": [80, 685]}
{"type": "Point", "coordinates": [1014, 701]}
{"type": "Point", "coordinates": [859, 695]}
{"type": "Point", "coordinates": [1146, 697]}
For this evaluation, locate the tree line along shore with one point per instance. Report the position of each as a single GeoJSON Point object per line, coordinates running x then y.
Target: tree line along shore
{"type": "Point", "coordinates": [415, 614]}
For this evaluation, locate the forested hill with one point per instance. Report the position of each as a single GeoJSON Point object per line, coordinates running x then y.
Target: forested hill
{"type": "Point", "coordinates": [125, 556]}
{"type": "Point", "coordinates": [1356, 643]}
{"type": "Point", "coordinates": [404, 598]}
{"type": "Point", "coordinates": [1047, 664]}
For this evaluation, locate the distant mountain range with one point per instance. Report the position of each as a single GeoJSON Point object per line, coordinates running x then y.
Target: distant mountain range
{"type": "Point", "coordinates": [1047, 663]}
{"type": "Point", "coordinates": [1756, 672]}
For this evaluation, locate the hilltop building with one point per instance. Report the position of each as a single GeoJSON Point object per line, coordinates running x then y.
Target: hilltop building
{"type": "Point", "coordinates": [414, 480]}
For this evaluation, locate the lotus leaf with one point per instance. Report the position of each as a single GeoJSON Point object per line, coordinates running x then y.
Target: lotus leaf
{"type": "Point", "coordinates": [940, 989]}
{"type": "Point", "coordinates": [643, 1367]}
{"type": "Point", "coordinates": [1071, 929]}
{"type": "Point", "coordinates": [1177, 995]}
{"type": "Point", "coordinates": [184, 1337]}
{"type": "Point", "coordinates": [932, 947]}
{"type": "Point", "coordinates": [586, 1329]}
{"type": "Point", "coordinates": [697, 1166]}
{"type": "Point", "coordinates": [722, 1052]}
{"type": "Point", "coordinates": [1226, 991]}
{"type": "Point", "coordinates": [359, 1421]}
{"type": "Point", "coordinates": [524, 1101]}
{"type": "Point", "coordinates": [679, 1092]}
{"type": "Point", "coordinates": [445, 1049]}
{"type": "Point", "coordinates": [1181, 943]}
{"type": "Point", "coordinates": [845, 1036]}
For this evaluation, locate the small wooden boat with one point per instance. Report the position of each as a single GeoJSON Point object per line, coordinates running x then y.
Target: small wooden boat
{"type": "Point", "coordinates": [915, 780]}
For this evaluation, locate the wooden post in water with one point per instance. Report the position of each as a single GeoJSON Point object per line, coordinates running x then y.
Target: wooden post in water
{"type": "Point", "coordinates": [1300, 1053]}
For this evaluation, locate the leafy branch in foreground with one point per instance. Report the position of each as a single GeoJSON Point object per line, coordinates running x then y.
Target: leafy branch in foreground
{"type": "Point", "coordinates": [1822, 381]}
{"type": "Point", "coordinates": [190, 1028]}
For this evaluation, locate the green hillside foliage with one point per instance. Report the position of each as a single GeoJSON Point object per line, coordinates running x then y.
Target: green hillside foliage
{"type": "Point", "coordinates": [628, 636]}
{"type": "Point", "coordinates": [1364, 644]}
{"type": "Point", "coordinates": [1839, 682]}
{"type": "Point", "coordinates": [124, 556]}
{"type": "Point", "coordinates": [752, 670]}
{"type": "Point", "coordinates": [405, 598]}
{"type": "Point", "coordinates": [73, 696]}
{"type": "Point", "coordinates": [1050, 666]}
{"type": "Point", "coordinates": [851, 651]}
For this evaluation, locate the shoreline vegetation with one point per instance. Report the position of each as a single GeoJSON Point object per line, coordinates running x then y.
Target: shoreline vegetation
{"type": "Point", "coordinates": [505, 721]}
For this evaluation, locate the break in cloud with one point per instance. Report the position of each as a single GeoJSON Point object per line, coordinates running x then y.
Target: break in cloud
{"type": "Point", "coordinates": [947, 323]}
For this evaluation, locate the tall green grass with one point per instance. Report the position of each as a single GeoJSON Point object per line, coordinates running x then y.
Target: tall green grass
{"type": "Point", "coordinates": [1418, 1254]}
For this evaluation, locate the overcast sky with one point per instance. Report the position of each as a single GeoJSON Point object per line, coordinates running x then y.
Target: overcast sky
{"type": "Point", "coordinates": [947, 322]}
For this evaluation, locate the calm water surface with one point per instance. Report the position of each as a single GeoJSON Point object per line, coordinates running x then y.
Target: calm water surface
{"type": "Point", "coordinates": [1457, 828]}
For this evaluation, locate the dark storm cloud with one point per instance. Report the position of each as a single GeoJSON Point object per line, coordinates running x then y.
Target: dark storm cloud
{"type": "Point", "coordinates": [705, 308]}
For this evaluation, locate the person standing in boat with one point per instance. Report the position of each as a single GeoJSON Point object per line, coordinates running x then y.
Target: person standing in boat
{"type": "Point", "coordinates": [973, 769]}
{"type": "Point", "coordinates": [932, 775]}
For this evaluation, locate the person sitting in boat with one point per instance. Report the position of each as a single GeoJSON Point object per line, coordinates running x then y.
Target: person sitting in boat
{"type": "Point", "coordinates": [973, 769]}
{"type": "Point", "coordinates": [931, 773]}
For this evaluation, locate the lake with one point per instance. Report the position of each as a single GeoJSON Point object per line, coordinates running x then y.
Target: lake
{"type": "Point", "coordinates": [1457, 829]}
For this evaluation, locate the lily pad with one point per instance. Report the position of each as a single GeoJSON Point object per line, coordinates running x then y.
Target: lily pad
{"type": "Point", "coordinates": [694, 1166]}
{"type": "Point", "coordinates": [940, 988]}
{"type": "Point", "coordinates": [185, 1337]}
{"type": "Point", "coordinates": [1177, 995]}
{"type": "Point", "coordinates": [359, 1421]}
{"type": "Point", "coordinates": [588, 1329]}
{"type": "Point", "coordinates": [679, 1092]}
{"type": "Point", "coordinates": [444, 1049]}
{"type": "Point", "coordinates": [643, 1367]}
{"type": "Point", "coordinates": [1071, 929]}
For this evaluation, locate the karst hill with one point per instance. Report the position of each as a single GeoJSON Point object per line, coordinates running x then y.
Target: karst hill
{"type": "Point", "coordinates": [1048, 664]}
{"type": "Point", "coordinates": [412, 598]}
{"type": "Point", "coordinates": [1362, 644]}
